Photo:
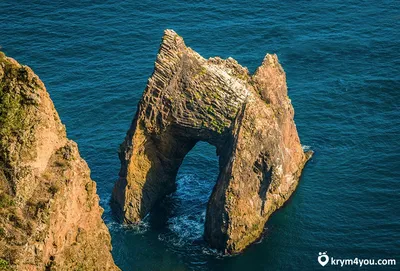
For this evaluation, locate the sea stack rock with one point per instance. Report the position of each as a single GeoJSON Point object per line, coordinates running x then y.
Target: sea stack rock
{"type": "Point", "coordinates": [50, 218]}
{"type": "Point", "coordinates": [248, 118]}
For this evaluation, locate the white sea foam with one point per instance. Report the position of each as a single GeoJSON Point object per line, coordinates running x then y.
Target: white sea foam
{"type": "Point", "coordinates": [187, 224]}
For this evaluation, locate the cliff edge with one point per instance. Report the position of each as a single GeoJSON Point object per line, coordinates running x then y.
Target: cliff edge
{"type": "Point", "coordinates": [50, 218]}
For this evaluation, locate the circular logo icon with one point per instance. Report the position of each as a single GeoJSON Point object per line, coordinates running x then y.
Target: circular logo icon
{"type": "Point", "coordinates": [323, 259]}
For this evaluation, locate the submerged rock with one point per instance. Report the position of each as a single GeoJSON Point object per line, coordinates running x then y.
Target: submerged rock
{"type": "Point", "coordinates": [50, 218]}
{"type": "Point", "coordinates": [248, 118]}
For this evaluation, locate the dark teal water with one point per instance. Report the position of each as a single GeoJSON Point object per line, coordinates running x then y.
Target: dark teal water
{"type": "Point", "coordinates": [343, 69]}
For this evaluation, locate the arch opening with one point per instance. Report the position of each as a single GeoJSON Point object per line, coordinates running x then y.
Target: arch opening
{"type": "Point", "coordinates": [181, 215]}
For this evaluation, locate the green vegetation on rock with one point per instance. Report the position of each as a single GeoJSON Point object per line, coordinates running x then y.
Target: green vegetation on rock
{"type": "Point", "coordinates": [12, 113]}
{"type": "Point", "coordinates": [5, 200]}
{"type": "Point", "coordinates": [4, 265]}
{"type": "Point", "coordinates": [15, 115]}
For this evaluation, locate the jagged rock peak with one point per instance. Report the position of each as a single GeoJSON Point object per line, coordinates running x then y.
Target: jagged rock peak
{"type": "Point", "coordinates": [50, 218]}
{"type": "Point", "coordinates": [249, 118]}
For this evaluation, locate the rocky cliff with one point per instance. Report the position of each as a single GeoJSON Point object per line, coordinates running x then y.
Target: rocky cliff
{"type": "Point", "coordinates": [249, 118]}
{"type": "Point", "coordinates": [50, 218]}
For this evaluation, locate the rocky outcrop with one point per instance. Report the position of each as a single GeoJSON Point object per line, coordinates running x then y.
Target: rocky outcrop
{"type": "Point", "coordinates": [50, 218]}
{"type": "Point", "coordinates": [248, 118]}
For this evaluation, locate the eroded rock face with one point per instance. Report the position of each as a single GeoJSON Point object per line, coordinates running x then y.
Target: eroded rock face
{"type": "Point", "coordinates": [249, 118]}
{"type": "Point", "coordinates": [50, 218]}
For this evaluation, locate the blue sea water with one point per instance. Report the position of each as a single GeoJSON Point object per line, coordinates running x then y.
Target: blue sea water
{"type": "Point", "coordinates": [342, 63]}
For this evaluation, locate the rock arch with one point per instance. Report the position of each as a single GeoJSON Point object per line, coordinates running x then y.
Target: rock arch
{"type": "Point", "coordinates": [248, 118]}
